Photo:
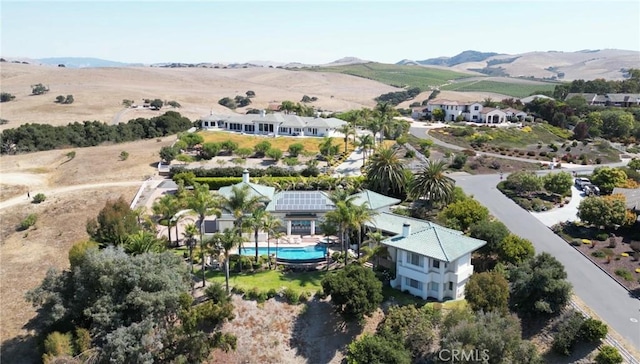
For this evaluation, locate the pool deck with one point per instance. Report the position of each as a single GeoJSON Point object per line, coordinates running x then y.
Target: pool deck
{"type": "Point", "coordinates": [293, 241]}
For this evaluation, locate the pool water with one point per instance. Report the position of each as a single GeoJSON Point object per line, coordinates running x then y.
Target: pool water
{"type": "Point", "coordinates": [302, 253]}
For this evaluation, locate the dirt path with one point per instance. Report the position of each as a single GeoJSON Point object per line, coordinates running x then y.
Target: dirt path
{"type": "Point", "coordinates": [53, 191]}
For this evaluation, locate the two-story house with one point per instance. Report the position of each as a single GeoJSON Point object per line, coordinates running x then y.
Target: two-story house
{"type": "Point", "coordinates": [471, 112]}
{"type": "Point", "coordinates": [431, 261]}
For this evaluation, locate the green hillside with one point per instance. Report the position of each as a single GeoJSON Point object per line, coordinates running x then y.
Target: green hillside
{"type": "Point", "coordinates": [396, 75]}
{"type": "Point", "coordinates": [514, 89]}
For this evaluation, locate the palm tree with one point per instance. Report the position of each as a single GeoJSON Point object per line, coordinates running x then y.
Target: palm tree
{"type": "Point", "coordinates": [374, 126]}
{"type": "Point", "coordinates": [255, 222]}
{"type": "Point", "coordinates": [347, 130]}
{"type": "Point", "coordinates": [340, 218]}
{"type": "Point", "coordinates": [431, 183]}
{"type": "Point", "coordinates": [144, 242]}
{"type": "Point", "coordinates": [190, 232]}
{"type": "Point", "coordinates": [375, 249]}
{"type": "Point", "coordinates": [385, 112]}
{"type": "Point", "coordinates": [360, 215]}
{"type": "Point", "coordinates": [241, 201]}
{"type": "Point", "coordinates": [366, 142]}
{"type": "Point", "coordinates": [202, 203]}
{"type": "Point", "coordinates": [385, 172]}
{"type": "Point", "coordinates": [166, 207]}
{"type": "Point", "coordinates": [224, 242]}
{"type": "Point", "coordinates": [328, 229]}
{"type": "Point", "coordinates": [271, 226]}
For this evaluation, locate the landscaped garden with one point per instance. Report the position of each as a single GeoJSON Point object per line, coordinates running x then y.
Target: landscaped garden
{"type": "Point", "coordinates": [617, 252]}
{"type": "Point", "coordinates": [536, 142]}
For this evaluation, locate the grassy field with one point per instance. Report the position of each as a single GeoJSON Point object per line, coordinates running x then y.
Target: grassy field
{"type": "Point", "coordinates": [511, 89]}
{"type": "Point", "coordinates": [397, 75]}
{"type": "Point", "coordinates": [281, 142]}
{"type": "Point", "coordinates": [506, 137]}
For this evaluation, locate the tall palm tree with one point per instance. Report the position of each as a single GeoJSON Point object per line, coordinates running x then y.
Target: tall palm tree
{"type": "Point", "coordinates": [431, 183]}
{"type": "Point", "coordinates": [224, 242]}
{"type": "Point", "coordinates": [203, 204]}
{"type": "Point", "coordinates": [255, 223]}
{"type": "Point", "coordinates": [165, 208]}
{"type": "Point", "coordinates": [366, 142]}
{"type": "Point", "coordinates": [360, 215]}
{"type": "Point", "coordinates": [241, 202]}
{"type": "Point", "coordinates": [271, 226]}
{"type": "Point", "coordinates": [385, 172]}
{"type": "Point", "coordinates": [374, 126]}
{"type": "Point", "coordinates": [190, 232]}
{"type": "Point", "coordinates": [144, 242]}
{"type": "Point", "coordinates": [375, 249]}
{"type": "Point", "coordinates": [328, 229]}
{"type": "Point", "coordinates": [340, 217]}
{"type": "Point", "coordinates": [385, 112]}
{"type": "Point", "coordinates": [347, 130]}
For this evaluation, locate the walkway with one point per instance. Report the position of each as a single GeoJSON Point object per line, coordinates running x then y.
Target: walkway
{"type": "Point", "coordinates": [351, 166]}
{"type": "Point", "coordinates": [568, 212]}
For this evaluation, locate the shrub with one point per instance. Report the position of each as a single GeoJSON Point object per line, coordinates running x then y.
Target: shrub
{"type": "Point", "coordinates": [602, 236]}
{"type": "Point", "coordinates": [272, 293]}
{"type": "Point", "coordinates": [291, 296]}
{"type": "Point", "coordinates": [238, 290]}
{"type": "Point", "coordinates": [295, 149]}
{"type": "Point", "coordinates": [410, 154]}
{"type": "Point", "coordinates": [598, 254]}
{"type": "Point", "coordinates": [624, 274]}
{"type": "Point", "coordinates": [262, 148]}
{"type": "Point", "coordinates": [304, 296]}
{"type": "Point", "coordinates": [459, 161]}
{"type": "Point", "coordinates": [577, 242]}
{"type": "Point", "coordinates": [124, 155]}
{"type": "Point", "coordinates": [567, 335]}
{"type": "Point", "coordinates": [609, 355]}
{"type": "Point", "coordinates": [593, 330]}
{"type": "Point", "coordinates": [57, 344]}
{"type": "Point", "coordinates": [82, 340]}
{"type": "Point", "coordinates": [40, 197]}
{"type": "Point", "coordinates": [28, 222]}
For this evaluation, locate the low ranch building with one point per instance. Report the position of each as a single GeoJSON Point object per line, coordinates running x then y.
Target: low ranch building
{"type": "Point", "coordinates": [274, 124]}
{"type": "Point", "coordinates": [431, 261]}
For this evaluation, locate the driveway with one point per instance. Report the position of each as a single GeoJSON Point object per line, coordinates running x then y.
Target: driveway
{"type": "Point", "coordinates": [604, 296]}
{"type": "Point", "coordinates": [351, 166]}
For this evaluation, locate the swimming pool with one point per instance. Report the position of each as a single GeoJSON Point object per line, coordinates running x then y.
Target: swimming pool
{"type": "Point", "coordinates": [290, 253]}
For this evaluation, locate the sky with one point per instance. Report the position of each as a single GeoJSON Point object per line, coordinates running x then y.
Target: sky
{"type": "Point", "coordinates": [313, 32]}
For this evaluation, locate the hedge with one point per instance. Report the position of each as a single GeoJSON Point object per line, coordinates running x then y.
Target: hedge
{"type": "Point", "coordinates": [288, 183]}
{"type": "Point", "coordinates": [272, 171]}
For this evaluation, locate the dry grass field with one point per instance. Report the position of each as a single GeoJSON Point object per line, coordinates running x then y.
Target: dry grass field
{"type": "Point", "coordinates": [98, 92]}
{"type": "Point", "coordinates": [25, 256]}
{"type": "Point", "coordinates": [311, 145]}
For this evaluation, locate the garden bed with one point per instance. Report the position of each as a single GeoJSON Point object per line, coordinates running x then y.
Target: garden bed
{"type": "Point", "coordinates": [613, 254]}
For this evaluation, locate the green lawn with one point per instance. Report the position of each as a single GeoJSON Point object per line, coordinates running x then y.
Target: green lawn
{"type": "Point", "coordinates": [397, 75]}
{"type": "Point", "coordinates": [299, 282]}
{"type": "Point", "coordinates": [514, 89]}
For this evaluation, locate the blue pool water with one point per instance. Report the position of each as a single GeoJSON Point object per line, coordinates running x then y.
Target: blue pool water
{"type": "Point", "coordinates": [306, 252]}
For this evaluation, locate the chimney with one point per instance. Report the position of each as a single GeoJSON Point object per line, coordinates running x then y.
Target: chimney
{"type": "Point", "coordinates": [245, 176]}
{"type": "Point", "coordinates": [262, 113]}
{"type": "Point", "coordinates": [406, 229]}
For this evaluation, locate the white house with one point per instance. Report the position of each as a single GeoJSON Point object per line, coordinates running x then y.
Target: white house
{"type": "Point", "coordinates": [431, 261]}
{"type": "Point", "coordinates": [470, 112]}
{"type": "Point", "coordinates": [273, 124]}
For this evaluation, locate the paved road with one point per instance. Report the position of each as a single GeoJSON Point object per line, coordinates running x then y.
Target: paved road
{"type": "Point", "coordinates": [603, 295]}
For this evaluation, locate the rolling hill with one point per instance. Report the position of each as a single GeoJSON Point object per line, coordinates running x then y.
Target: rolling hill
{"type": "Point", "coordinates": [551, 65]}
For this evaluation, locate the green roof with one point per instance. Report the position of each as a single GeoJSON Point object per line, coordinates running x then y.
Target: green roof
{"type": "Point", "coordinates": [436, 242]}
{"type": "Point", "coordinates": [374, 200]}
{"type": "Point", "coordinates": [392, 223]}
{"type": "Point", "coordinates": [255, 190]}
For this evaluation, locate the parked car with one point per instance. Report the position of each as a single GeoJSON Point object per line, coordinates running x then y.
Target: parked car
{"type": "Point", "coordinates": [581, 181]}
{"type": "Point", "coordinates": [591, 189]}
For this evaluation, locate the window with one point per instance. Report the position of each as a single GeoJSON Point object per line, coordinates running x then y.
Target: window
{"type": "Point", "coordinates": [415, 259]}
{"type": "Point", "coordinates": [413, 283]}
{"type": "Point", "coordinates": [436, 263]}
{"type": "Point", "coordinates": [450, 286]}
{"type": "Point", "coordinates": [476, 108]}
{"type": "Point", "coordinates": [434, 286]}
{"type": "Point", "coordinates": [475, 117]}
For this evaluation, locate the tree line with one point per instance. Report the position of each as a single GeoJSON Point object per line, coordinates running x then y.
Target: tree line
{"type": "Point", "coordinates": [600, 86]}
{"type": "Point", "coordinates": [39, 137]}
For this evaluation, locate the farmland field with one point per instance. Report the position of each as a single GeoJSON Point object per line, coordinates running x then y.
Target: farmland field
{"type": "Point", "coordinates": [397, 75]}
{"type": "Point", "coordinates": [511, 89]}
